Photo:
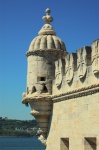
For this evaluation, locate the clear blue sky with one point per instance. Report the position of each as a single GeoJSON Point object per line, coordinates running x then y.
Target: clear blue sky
{"type": "Point", "coordinates": [75, 21]}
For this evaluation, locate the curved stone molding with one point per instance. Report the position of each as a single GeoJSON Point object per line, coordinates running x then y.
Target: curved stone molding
{"type": "Point", "coordinates": [54, 52]}
{"type": "Point", "coordinates": [41, 105]}
{"type": "Point", "coordinates": [58, 72]}
{"type": "Point", "coordinates": [42, 139]}
{"type": "Point", "coordinates": [95, 56]}
{"type": "Point", "coordinates": [70, 67]}
{"type": "Point", "coordinates": [84, 59]}
{"type": "Point", "coordinates": [76, 93]}
{"type": "Point", "coordinates": [40, 113]}
{"type": "Point", "coordinates": [35, 98]}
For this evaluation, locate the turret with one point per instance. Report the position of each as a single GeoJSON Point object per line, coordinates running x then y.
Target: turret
{"type": "Point", "coordinates": [43, 51]}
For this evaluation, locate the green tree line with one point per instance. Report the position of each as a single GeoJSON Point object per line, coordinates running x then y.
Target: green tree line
{"type": "Point", "coordinates": [10, 127]}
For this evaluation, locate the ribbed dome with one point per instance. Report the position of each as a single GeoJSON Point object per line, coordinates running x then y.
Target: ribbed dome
{"type": "Point", "coordinates": [46, 42]}
{"type": "Point", "coordinates": [47, 38]}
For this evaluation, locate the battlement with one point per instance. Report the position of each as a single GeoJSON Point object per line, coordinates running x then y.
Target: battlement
{"type": "Point", "coordinates": [77, 70]}
{"type": "Point", "coordinates": [63, 90]}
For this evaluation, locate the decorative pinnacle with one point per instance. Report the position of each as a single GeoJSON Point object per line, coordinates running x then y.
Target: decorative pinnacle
{"type": "Point", "coordinates": [47, 18]}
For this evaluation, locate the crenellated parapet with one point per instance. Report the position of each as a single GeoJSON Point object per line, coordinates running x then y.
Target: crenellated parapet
{"type": "Point", "coordinates": [70, 66]}
{"type": "Point", "coordinates": [81, 69]}
{"type": "Point", "coordinates": [95, 56]}
{"type": "Point", "coordinates": [83, 60]}
{"type": "Point", "coordinates": [58, 72]}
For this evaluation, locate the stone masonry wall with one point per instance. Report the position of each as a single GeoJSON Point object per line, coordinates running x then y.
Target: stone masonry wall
{"type": "Point", "coordinates": [74, 119]}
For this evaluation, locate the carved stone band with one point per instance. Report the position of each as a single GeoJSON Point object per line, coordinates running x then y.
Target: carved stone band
{"type": "Point", "coordinates": [76, 93]}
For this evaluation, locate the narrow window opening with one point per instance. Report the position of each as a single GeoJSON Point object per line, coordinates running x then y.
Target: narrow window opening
{"type": "Point", "coordinates": [64, 144]}
{"type": "Point", "coordinates": [45, 89]}
{"type": "Point", "coordinates": [90, 143]}
{"type": "Point", "coordinates": [33, 89]}
{"type": "Point", "coordinates": [41, 78]}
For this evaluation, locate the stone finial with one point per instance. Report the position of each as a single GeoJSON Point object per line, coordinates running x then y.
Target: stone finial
{"type": "Point", "coordinates": [47, 29]}
{"type": "Point", "coordinates": [47, 18]}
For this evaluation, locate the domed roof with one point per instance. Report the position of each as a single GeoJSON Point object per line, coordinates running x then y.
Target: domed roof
{"type": "Point", "coordinates": [46, 42]}
{"type": "Point", "coordinates": [47, 38]}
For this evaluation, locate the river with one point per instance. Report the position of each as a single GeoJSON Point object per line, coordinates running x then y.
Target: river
{"type": "Point", "coordinates": [20, 144]}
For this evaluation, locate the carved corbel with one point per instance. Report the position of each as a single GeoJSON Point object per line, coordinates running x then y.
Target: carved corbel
{"type": "Point", "coordinates": [58, 72]}
{"type": "Point", "coordinates": [83, 60]}
{"type": "Point", "coordinates": [95, 56]}
{"type": "Point", "coordinates": [70, 67]}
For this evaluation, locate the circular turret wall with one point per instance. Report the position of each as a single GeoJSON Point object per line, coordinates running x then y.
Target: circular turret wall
{"type": "Point", "coordinates": [40, 73]}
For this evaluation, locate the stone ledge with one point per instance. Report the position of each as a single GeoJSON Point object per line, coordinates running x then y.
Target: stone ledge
{"type": "Point", "coordinates": [32, 98]}
{"type": "Point", "coordinates": [76, 93]}
{"type": "Point", "coordinates": [39, 51]}
{"type": "Point", "coordinates": [40, 113]}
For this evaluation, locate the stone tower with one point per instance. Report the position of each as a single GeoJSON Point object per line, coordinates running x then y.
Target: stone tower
{"type": "Point", "coordinates": [43, 51]}
{"type": "Point", "coordinates": [63, 91]}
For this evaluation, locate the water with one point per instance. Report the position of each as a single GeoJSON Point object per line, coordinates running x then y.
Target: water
{"type": "Point", "coordinates": [20, 144]}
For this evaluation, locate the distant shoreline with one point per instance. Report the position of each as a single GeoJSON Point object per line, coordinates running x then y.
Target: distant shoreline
{"type": "Point", "coordinates": [17, 137]}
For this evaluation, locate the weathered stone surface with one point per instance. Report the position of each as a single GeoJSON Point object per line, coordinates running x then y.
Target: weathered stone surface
{"type": "Point", "coordinates": [71, 66]}
{"type": "Point", "coordinates": [58, 72]}
{"type": "Point", "coordinates": [47, 42]}
{"type": "Point", "coordinates": [95, 56]}
{"type": "Point", "coordinates": [84, 59]}
{"type": "Point", "coordinates": [63, 91]}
